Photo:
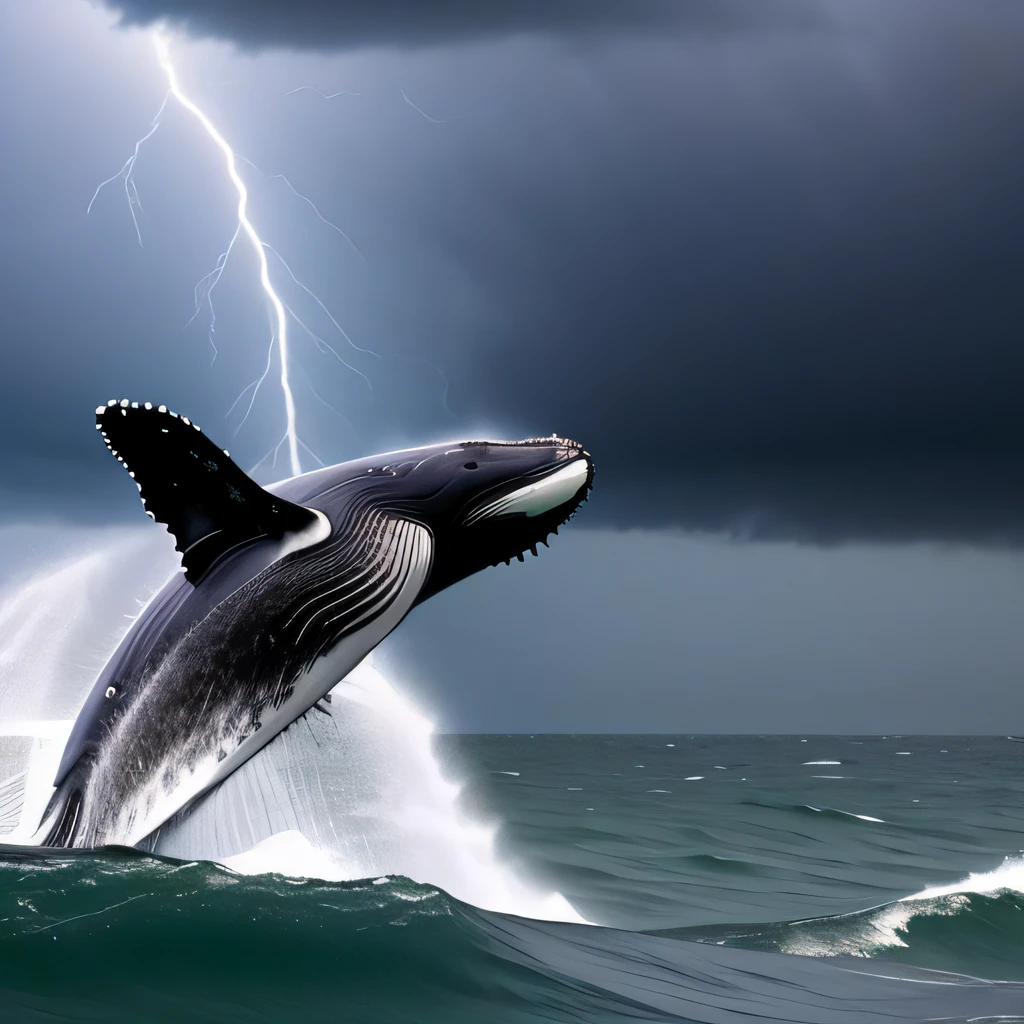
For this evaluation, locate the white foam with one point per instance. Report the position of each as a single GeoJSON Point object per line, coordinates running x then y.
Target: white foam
{"type": "Point", "coordinates": [364, 789]}
{"type": "Point", "coordinates": [822, 762]}
{"type": "Point", "coordinates": [390, 810]}
{"type": "Point", "coordinates": [849, 814]}
{"type": "Point", "coordinates": [292, 851]}
{"type": "Point", "coordinates": [1008, 876]}
{"type": "Point", "coordinates": [877, 930]}
{"type": "Point", "coordinates": [693, 778]}
{"type": "Point", "coordinates": [887, 926]}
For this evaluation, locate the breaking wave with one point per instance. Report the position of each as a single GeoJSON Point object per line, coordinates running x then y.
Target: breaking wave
{"type": "Point", "coordinates": [99, 936]}
{"type": "Point", "coordinates": [974, 926]}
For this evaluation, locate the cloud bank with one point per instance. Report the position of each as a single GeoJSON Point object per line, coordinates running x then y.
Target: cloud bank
{"type": "Point", "coordinates": [325, 25]}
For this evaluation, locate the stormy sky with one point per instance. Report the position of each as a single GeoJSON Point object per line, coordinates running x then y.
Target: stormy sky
{"type": "Point", "coordinates": [766, 260]}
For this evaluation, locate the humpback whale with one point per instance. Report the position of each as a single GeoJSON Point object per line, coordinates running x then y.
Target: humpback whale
{"type": "Point", "coordinates": [284, 590]}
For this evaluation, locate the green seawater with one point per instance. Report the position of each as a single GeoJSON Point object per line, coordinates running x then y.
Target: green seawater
{"type": "Point", "coordinates": [729, 878]}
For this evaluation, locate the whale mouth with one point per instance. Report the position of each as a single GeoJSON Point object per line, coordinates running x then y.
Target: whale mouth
{"type": "Point", "coordinates": [536, 504]}
{"type": "Point", "coordinates": [541, 496]}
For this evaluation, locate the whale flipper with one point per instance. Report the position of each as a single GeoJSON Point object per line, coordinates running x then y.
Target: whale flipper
{"type": "Point", "coordinates": [192, 486]}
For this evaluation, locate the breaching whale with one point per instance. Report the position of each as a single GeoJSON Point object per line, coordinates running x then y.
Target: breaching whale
{"type": "Point", "coordinates": [285, 589]}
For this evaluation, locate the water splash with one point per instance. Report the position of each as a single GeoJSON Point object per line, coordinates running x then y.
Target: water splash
{"type": "Point", "coordinates": [358, 793]}
{"type": "Point", "coordinates": [1008, 876]}
{"type": "Point", "coordinates": [60, 622]}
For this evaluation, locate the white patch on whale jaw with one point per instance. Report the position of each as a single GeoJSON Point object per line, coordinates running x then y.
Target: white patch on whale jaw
{"type": "Point", "coordinates": [539, 497]}
{"type": "Point", "coordinates": [406, 567]}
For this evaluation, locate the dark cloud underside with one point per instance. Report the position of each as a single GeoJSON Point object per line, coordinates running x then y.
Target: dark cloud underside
{"type": "Point", "coordinates": [338, 25]}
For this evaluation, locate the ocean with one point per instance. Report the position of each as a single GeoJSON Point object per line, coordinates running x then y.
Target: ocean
{"type": "Point", "coordinates": [815, 879]}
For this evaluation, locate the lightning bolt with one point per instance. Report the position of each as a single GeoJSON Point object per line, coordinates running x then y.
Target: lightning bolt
{"type": "Point", "coordinates": [321, 93]}
{"type": "Point", "coordinates": [423, 113]}
{"type": "Point", "coordinates": [125, 174]}
{"type": "Point", "coordinates": [246, 233]}
{"type": "Point", "coordinates": [280, 334]}
{"type": "Point", "coordinates": [245, 230]}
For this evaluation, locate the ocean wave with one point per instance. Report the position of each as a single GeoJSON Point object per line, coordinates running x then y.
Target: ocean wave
{"type": "Point", "coordinates": [834, 813]}
{"type": "Point", "coordinates": [1009, 876]}
{"type": "Point", "coordinates": [119, 936]}
{"type": "Point", "coordinates": [974, 926]}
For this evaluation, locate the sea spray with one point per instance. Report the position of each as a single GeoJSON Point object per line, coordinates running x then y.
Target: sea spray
{"type": "Point", "coordinates": [359, 791]}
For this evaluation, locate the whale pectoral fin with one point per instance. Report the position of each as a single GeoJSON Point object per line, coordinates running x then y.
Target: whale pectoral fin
{"type": "Point", "coordinates": [192, 486]}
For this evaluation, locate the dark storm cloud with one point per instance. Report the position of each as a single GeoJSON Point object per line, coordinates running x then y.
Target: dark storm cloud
{"type": "Point", "coordinates": [771, 280]}
{"type": "Point", "coordinates": [789, 304]}
{"type": "Point", "coordinates": [335, 25]}
{"type": "Point", "coordinates": [880, 497]}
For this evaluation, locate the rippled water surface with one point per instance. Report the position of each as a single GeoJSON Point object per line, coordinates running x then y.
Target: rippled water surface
{"type": "Point", "coordinates": [811, 879]}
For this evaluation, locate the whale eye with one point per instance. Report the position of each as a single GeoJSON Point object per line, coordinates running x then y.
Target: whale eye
{"type": "Point", "coordinates": [470, 465]}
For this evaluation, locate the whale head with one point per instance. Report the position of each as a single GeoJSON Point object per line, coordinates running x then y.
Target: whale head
{"type": "Point", "coordinates": [483, 502]}
{"type": "Point", "coordinates": [497, 500]}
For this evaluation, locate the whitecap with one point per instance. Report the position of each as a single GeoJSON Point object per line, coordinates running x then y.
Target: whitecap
{"type": "Point", "coordinates": [692, 778]}
{"type": "Point", "coordinates": [1009, 875]}
{"type": "Point", "coordinates": [849, 814]}
{"type": "Point", "coordinates": [886, 927]}
{"type": "Point", "coordinates": [822, 762]}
